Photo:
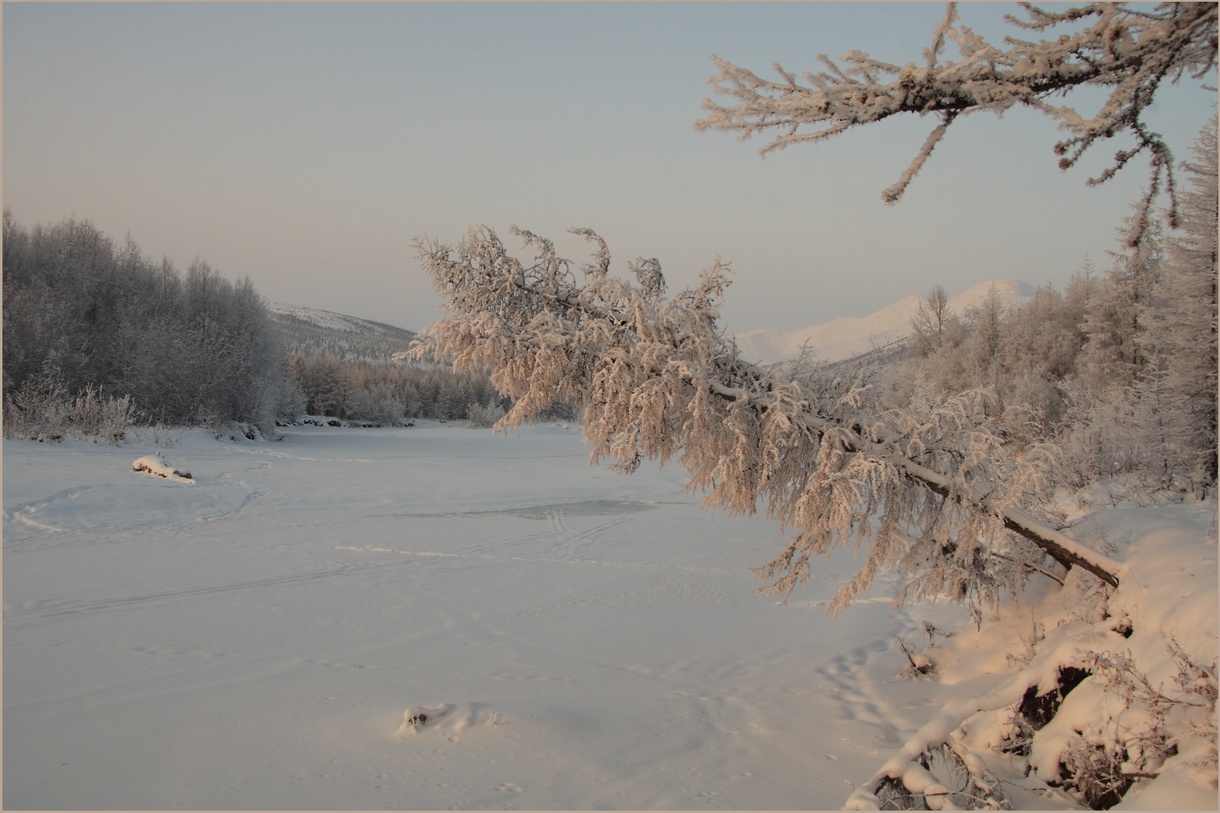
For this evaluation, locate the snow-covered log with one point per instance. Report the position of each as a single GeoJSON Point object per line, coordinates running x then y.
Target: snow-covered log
{"type": "Point", "coordinates": [151, 464]}
{"type": "Point", "coordinates": [933, 495]}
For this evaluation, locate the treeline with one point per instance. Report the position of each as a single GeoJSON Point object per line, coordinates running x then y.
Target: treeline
{"type": "Point", "coordinates": [1117, 371]}
{"type": "Point", "coordinates": [385, 393]}
{"type": "Point", "coordinates": [81, 313]}
{"type": "Point", "coordinates": [97, 337]}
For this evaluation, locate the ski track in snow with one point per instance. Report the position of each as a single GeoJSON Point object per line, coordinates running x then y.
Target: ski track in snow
{"type": "Point", "coordinates": [67, 609]}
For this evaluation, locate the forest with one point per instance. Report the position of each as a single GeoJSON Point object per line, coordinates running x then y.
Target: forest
{"type": "Point", "coordinates": [98, 338]}
{"type": "Point", "coordinates": [1118, 369]}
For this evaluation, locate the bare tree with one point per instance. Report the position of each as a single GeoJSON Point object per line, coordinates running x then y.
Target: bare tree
{"type": "Point", "coordinates": [930, 320]}
{"type": "Point", "coordinates": [1127, 51]}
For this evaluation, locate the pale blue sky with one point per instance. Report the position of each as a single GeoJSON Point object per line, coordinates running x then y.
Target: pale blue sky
{"type": "Point", "coordinates": [306, 145]}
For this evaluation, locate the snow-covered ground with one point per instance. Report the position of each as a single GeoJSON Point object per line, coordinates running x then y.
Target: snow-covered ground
{"type": "Point", "coordinates": [262, 634]}
{"type": "Point", "coordinates": [329, 320]}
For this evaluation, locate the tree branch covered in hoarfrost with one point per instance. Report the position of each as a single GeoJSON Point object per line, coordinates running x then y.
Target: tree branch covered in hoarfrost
{"type": "Point", "coordinates": [929, 494]}
{"type": "Point", "coordinates": [1127, 51]}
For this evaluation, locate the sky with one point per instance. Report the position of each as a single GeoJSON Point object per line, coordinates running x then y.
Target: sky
{"type": "Point", "coordinates": [308, 145]}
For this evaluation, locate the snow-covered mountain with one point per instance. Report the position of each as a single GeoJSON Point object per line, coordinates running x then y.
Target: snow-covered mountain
{"type": "Point", "coordinates": [308, 330]}
{"type": "Point", "coordinates": [850, 336]}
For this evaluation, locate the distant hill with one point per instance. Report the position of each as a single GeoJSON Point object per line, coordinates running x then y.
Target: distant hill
{"type": "Point", "coordinates": [309, 330]}
{"type": "Point", "coordinates": [851, 336]}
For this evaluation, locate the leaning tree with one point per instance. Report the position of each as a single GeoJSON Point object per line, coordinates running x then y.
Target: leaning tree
{"type": "Point", "coordinates": [931, 492]}
{"type": "Point", "coordinates": [935, 494]}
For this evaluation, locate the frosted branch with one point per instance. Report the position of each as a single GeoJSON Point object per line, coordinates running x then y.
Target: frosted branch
{"type": "Point", "coordinates": [1129, 52]}
{"type": "Point", "coordinates": [658, 380]}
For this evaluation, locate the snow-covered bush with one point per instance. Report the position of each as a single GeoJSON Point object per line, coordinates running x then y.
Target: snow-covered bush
{"type": "Point", "coordinates": [43, 409]}
{"type": "Point", "coordinates": [1110, 694]}
{"type": "Point", "coordinates": [484, 415]}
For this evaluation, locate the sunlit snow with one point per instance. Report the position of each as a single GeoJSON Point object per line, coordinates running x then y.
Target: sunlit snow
{"type": "Point", "coordinates": [435, 617]}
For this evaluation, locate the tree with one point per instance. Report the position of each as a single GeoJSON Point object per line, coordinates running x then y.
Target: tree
{"type": "Point", "coordinates": [933, 494]}
{"type": "Point", "coordinates": [1180, 319]}
{"type": "Point", "coordinates": [932, 319]}
{"type": "Point", "coordinates": [1127, 51]}
{"type": "Point", "coordinates": [930, 489]}
{"type": "Point", "coordinates": [99, 318]}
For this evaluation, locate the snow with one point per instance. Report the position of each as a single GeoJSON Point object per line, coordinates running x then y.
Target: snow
{"type": "Point", "coordinates": [441, 617]}
{"type": "Point", "coordinates": [156, 466]}
{"type": "Point", "coordinates": [329, 319]}
{"type": "Point", "coordinates": [255, 641]}
{"type": "Point", "coordinates": [850, 336]}
{"type": "Point", "coordinates": [1168, 594]}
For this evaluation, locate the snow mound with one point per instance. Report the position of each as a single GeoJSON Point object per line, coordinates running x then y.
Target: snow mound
{"type": "Point", "coordinates": [448, 719]}
{"type": "Point", "coordinates": [1108, 696]}
{"type": "Point", "coordinates": [153, 465]}
{"type": "Point", "coordinates": [850, 336]}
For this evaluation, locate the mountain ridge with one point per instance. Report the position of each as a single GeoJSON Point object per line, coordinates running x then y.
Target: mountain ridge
{"type": "Point", "coordinates": [848, 336]}
{"type": "Point", "coordinates": [313, 330]}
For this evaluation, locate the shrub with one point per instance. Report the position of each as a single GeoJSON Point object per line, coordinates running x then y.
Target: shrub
{"type": "Point", "coordinates": [42, 409]}
{"type": "Point", "coordinates": [484, 415]}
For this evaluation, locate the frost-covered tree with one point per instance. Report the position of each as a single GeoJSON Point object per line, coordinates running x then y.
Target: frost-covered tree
{"type": "Point", "coordinates": [1129, 52]}
{"type": "Point", "coordinates": [93, 315]}
{"type": "Point", "coordinates": [1179, 315]}
{"type": "Point", "coordinates": [932, 492]}
{"type": "Point", "coordinates": [933, 322]}
{"type": "Point", "coordinates": [929, 490]}
{"type": "Point", "coordinates": [929, 487]}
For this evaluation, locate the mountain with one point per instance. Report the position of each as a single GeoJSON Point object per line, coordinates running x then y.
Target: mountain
{"type": "Point", "coordinates": [309, 330]}
{"type": "Point", "coordinates": [850, 336]}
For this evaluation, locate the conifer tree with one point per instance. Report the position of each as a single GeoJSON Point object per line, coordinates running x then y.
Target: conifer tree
{"type": "Point", "coordinates": [1180, 316]}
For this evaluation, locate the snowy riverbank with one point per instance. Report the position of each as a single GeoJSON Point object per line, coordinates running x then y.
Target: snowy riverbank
{"type": "Point", "coordinates": [582, 639]}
